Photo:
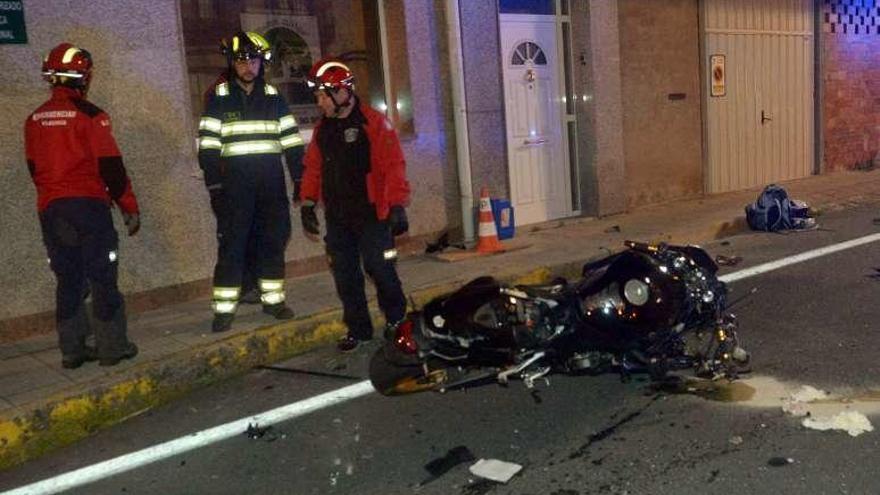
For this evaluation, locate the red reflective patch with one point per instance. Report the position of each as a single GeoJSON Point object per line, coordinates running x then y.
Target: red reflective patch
{"type": "Point", "coordinates": [404, 338]}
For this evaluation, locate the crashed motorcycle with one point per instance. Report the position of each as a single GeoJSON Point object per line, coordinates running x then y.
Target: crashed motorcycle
{"type": "Point", "coordinates": [654, 309]}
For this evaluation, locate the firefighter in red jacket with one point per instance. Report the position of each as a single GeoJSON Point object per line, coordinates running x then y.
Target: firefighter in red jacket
{"type": "Point", "coordinates": [78, 171]}
{"type": "Point", "coordinates": [354, 166]}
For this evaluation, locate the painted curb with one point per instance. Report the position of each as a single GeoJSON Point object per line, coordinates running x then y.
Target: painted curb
{"type": "Point", "coordinates": [65, 418]}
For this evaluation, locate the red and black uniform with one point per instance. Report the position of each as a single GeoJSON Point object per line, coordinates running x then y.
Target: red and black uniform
{"type": "Point", "coordinates": [78, 171]}
{"type": "Point", "coordinates": [355, 167]}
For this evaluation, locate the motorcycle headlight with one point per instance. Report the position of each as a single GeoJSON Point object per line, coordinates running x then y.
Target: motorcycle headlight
{"type": "Point", "coordinates": [708, 296]}
{"type": "Point", "coordinates": [636, 292]}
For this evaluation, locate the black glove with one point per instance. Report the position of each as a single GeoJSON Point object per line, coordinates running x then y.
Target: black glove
{"type": "Point", "coordinates": [218, 199]}
{"type": "Point", "coordinates": [397, 220]}
{"type": "Point", "coordinates": [133, 222]}
{"type": "Point", "coordinates": [309, 219]}
{"type": "Point", "coordinates": [297, 191]}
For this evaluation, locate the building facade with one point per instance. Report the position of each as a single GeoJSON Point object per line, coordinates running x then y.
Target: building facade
{"type": "Point", "coordinates": [566, 107]}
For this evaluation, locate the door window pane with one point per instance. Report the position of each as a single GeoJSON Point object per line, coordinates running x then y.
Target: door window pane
{"type": "Point", "coordinates": [534, 7]}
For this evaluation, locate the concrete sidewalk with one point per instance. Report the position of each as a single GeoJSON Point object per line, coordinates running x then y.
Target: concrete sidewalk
{"type": "Point", "coordinates": [43, 406]}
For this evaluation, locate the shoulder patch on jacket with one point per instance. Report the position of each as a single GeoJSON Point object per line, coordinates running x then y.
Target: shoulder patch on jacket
{"type": "Point", "coordinates": [270, 90]}
{"type": "Point", "coordinates": [87, 107]}
{"type": "Point", "coordinates": [222, 89]}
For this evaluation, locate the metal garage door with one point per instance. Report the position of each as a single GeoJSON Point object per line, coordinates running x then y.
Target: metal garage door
{"type": "Point", "coordinates": [758, 57]}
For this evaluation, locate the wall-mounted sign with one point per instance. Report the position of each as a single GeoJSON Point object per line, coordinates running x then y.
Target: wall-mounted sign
{"type": "Point", "coordinates": [718, 77]}
{"type": "Point", "coordinates": [12, 29]}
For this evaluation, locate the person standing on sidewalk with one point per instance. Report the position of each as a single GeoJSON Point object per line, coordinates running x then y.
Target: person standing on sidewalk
{"type": "Point", "coordinates": [77, 170]}
{"type": "Point", "coordinates": [355, 167]}
{"type": "Point", "coordinates": [244, 131]}
{"type": "Point", "coordinates": [250, 286]}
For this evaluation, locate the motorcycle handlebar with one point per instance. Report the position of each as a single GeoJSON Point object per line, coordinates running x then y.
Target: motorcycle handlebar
{"type": "Point", "coordinates": [644, 246]}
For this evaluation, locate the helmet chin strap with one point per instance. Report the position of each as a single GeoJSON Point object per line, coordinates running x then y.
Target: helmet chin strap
{"type": "Point", "coordinates": [338, 107]}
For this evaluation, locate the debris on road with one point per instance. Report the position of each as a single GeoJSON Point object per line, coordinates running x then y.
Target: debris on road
{"type": "Point", "coordinates": [852, 422]}
{"type": "Point", "coordinates": [797, 403]}
{"type": "Point", "coordinates": [774, 211]}
{"type": "Point", "coordinates": [780, 461]}
{"type": "Point", "coordinates": [495, 470]}
{"type": "Point", "coordinates": [728, 260]}
{"type": "Point", "coordinates": [256, 432]}
{"type": "Point", "coordinates": [612, 229]}
{"type": "Point", "coordinates": [736, 440]}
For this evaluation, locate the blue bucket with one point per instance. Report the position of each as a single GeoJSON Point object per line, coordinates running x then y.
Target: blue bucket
{"type": "Point", "coordinates": [505, 224]}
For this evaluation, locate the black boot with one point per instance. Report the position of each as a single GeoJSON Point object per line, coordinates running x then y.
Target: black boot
{"type": "Point", "coordinates": [222, 322]}
{"type": "Point", "coordinates": [280, 311]}
{"type": "Point", "coordinates": [111, 338]}
{"type": "Point", "coordinates": [129, 351]}
{"type": "Point", "coordinates": [72, 334]}
{"type": "Point", "coordinates": [72, 362]}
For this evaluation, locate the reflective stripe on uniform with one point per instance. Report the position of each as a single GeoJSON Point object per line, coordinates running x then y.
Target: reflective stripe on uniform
{"type": "Point", "coordinates": [225, 299]}
{"type": "Point", "coordinates": [271, 90]}
{"type": "Point", "coordinates": [291, 141]}
{"type": "Point", "coordinates": [269, 285]}
{"type": "Point", "coordinates": [226, 293]}
{"type": "Point", "coordinates": [286, 122]}
{"type": "Point", "coordinates": [249, 127]}
{"type": "Point", "coordinates": [250, 148]}
{"type": "Point", "coordinates": [272, 298]}
{"type": "Point", "coordinates": [224, 306]}
{"type": "Point", "coordinates": [210, 124]}
{"type": "Point", "coordinates": [271, 291]}
{"type": "Point", "coordinates": [222, 89]}
{"type": "Point", "coordinates": [209, 143]}
{"type": "Point", "coordinates": [390, 254]}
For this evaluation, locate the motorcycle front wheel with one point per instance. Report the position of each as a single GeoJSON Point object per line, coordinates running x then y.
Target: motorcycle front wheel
{"type": "Point", "coordinates": [393, 374]}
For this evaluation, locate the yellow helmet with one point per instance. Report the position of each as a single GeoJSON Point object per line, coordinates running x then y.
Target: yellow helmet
{"type": "Point", "coordinates": [246, 46]}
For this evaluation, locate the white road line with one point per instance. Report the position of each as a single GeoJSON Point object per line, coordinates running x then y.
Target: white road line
{"type": "Point", "coordinates": [155, 453]}
{"type": "Point", "coordinates": [798, 258]}
{"type": "Point", "coordinates": [203, 438]}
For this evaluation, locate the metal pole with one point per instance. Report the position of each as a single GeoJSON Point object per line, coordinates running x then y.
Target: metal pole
{"type": "Point", "coordinates": [459, 104]}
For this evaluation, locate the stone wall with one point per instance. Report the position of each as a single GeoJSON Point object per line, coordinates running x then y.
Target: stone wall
{"type": "Point", "coordinates": [851, 83]}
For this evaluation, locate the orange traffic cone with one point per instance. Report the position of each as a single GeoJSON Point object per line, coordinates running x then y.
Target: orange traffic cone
{"type": "Point", "coordinates": [488, 235]}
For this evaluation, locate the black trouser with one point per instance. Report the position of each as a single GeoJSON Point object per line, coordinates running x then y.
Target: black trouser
{"type": "Point", "coordinates": [251, 272]}
{"type": "Point", "coordinates": [369, 243]}
{"type": "Point", "coordinates": [256, 209]}
{"type": "Point", "coordinates": [83, 249]}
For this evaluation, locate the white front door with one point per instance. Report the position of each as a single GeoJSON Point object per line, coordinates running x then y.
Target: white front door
{"type": "Point", "coordinates": [539, 183]}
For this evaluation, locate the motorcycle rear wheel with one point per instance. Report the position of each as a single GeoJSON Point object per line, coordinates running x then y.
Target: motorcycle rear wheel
{"type": "Point", "coordinates": [391, 378]}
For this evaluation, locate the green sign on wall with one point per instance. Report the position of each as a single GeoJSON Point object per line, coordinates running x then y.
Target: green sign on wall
{"type": "Point", "coordinates": [12, 29]}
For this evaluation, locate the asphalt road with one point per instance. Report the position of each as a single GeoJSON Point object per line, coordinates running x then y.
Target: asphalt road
{"type": "Point", "coordinates": [812, 323]}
